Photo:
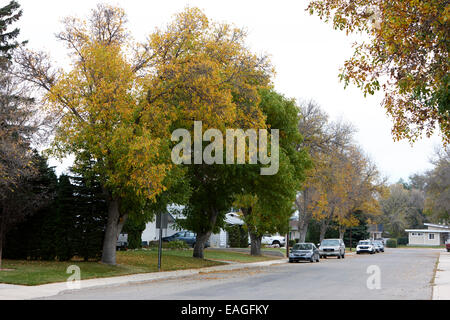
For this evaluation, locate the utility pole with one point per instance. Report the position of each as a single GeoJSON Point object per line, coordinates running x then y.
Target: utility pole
{"type": "Point", "coordinates": [351, 238]}
{"type": "Point", "coordinates": [287, 245]}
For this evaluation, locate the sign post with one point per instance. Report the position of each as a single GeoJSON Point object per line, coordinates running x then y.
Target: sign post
{"type": "Point", "coordinates": [162, 220]}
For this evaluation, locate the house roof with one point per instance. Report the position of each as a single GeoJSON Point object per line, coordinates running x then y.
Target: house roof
{"type": "Point", "coordinates": [233, 218]}
{"type": "Point", "coordinates": [437, 225]}
{"type": "Point", "coordinates": [375, 228]}
{"type": "Point", "coordinates": [427, 230]}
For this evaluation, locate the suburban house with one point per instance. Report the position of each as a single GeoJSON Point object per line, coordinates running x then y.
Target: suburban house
{"type": "Point", "coordinates": [218, 240]}
{"type": "Point", "coordinates": [434, 235]}
{"type": "Point", "coordinates": [375, 231]}
{"type": "Point", "coordinates": [294, 233]}
{"type": "Point", "coordinates": [151, 233]}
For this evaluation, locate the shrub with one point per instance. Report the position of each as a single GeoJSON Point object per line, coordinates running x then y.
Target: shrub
{"type": "Point", "coordinates": [237, 236]}
{"type": "Point", "coordinates": [177, 244]}
{"type": "Point", "coordinates": [155, 244]}
{"type": "Point", "coordinates": [292, 242]}
{"type": "Point", "coordinates": [391, 243]}
{"type": "Point", "coordinates": [402, 241]}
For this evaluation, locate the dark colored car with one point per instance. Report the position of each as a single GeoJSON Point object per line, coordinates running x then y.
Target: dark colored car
{"type": "Point", "coordinates": [304, 251]}
{"type": "Point", "coordinates": [447, 245]}
{"type": "Point", "coordinates": [187, 236]}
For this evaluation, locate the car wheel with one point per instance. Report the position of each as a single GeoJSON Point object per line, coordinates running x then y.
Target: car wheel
{"type": "Point", "coordinates": [276, 242]}
{"type": "Point", "coordinates": [339, 256]}
{"type": "Point", "coordinates": [343, 256]}
{"type": "Point", "coordinates": [290, 260]}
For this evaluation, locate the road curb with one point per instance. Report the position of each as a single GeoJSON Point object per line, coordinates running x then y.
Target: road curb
{"type": "Point", "coordinates": [16, 292]}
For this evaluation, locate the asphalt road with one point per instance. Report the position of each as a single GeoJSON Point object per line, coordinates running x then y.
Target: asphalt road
{"type": "Point", "coordinates": [403, 274]}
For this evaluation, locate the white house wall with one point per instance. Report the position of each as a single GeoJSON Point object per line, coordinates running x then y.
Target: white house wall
{"type": "Point", "coordinates": [152, 234]}
{"type": "Point", "coordinates": [424, 239]}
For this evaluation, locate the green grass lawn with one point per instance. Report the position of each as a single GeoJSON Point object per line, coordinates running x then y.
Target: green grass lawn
{"type": "Point", "coordinates": [128, 262]}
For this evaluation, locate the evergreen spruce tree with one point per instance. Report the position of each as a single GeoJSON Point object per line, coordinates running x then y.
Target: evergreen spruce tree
{"type": "Point", "coordinates": [9, 14]}
{"type": "Point", "coordinates": [91, 214]}
{"type": "Point", "coordinates": [30, 215]}
{"type": "Point", "coordinates": [65, 219]}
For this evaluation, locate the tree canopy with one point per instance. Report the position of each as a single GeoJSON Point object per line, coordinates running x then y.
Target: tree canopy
{"type": "Point", "coordinates": [404, 51]}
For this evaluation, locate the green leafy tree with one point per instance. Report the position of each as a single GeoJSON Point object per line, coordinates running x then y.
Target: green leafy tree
{"type": "Point", "coordinates": [267, 202]}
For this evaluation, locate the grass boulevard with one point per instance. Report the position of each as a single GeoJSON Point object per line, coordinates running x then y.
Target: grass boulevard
{"type": "Point", "coordinates": [22, 272]}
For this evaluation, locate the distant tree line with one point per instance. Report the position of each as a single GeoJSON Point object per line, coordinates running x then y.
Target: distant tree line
{"type": "Point", "coordinates": [423, 198]}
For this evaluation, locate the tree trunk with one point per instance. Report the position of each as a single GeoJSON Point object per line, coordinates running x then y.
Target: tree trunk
{"type": "Point", "coordinates": [255, 241]}
{"type": "Point", "coordinates": [342, 232]}
{"type": "Point", "coordinates": [304, 216]}
{"type": "Point", "coordinates": [113, 228]}
{"type": "Point", "coordinates": [202, 237]}
{"type": "Point", "coordinates": [200, 244]}
{"type": "Point", "coordinates": [323, 230]}
{"type": "Point", "coordinates": [303, 229]}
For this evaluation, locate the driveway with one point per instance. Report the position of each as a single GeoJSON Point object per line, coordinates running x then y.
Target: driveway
{"type": "Point", "coordinates": [394, 274]}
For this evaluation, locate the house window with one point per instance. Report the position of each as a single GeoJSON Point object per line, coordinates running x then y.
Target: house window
{"type": "Point", "coordinates": [431, 236]}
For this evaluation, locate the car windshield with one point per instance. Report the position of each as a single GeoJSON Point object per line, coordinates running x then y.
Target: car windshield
{"type": "Point", "coordinates": [364, 242]}
{"type": "Point", "coordinates": [330, 242]}
{"type": "Point", "coordinates": [303, 246]}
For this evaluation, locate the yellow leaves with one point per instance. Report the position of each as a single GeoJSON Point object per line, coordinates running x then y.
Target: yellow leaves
{"type": "Point", "coordinates": [204, 72]}
{"type": "Point", "coordinates": [119, 100]}
{"type": "Point", "coordinates": [405, 54]}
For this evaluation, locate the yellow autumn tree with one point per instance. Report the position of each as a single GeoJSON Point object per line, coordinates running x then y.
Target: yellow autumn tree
{"type": "Point", "coordinates": [120, 100]}
{"type": "Point", "coordinates": [404, 52]}
{"type": "Point", "coordinates": [104, 118]}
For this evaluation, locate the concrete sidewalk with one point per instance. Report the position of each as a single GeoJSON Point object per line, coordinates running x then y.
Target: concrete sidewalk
{"type": "Point", "coordinates": [441, 288]}
{"type": "Point", "coordinates": [15, 292]}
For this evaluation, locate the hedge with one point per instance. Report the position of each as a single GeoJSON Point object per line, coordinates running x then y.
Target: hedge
{"type": "Point", "coordinates": [391, 243]}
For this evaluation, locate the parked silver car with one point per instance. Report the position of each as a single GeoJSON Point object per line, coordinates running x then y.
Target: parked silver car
{"type": "Point", "coordinates": [366, 246]}
{"type": "Point", "coordinates": [379, 246]}
{"type": "Point", "coordinates": [332, 247]}
{"type": "Point", "coordinates": [304, 251]}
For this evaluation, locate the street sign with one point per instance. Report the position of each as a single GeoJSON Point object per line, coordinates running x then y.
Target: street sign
{"type": "Point", "coordinates": [164, 217]}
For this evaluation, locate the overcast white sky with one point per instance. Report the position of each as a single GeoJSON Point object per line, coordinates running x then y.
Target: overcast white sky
{"type": "Point", "coordinates": [305, 52]}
